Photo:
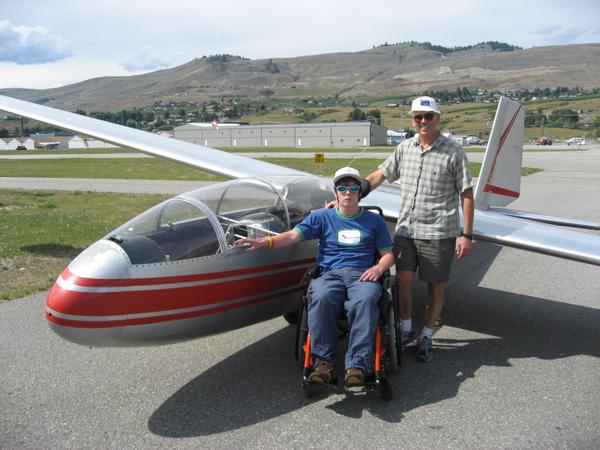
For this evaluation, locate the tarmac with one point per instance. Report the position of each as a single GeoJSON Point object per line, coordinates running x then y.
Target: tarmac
{"type": "Point", "coordinates": [516, 365]}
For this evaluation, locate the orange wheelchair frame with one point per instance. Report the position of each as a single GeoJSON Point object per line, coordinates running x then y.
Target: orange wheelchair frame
{"type": "Point", "coordinates": [388, 349]}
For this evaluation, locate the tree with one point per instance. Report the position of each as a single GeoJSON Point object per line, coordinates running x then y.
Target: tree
{"type": "Point", "coordinates": [272, 67]}
{"type": "Point", "coordinates": [596, 126]}
{"type": "Point", "coordinates": [3, 132]}
{"type": "Point", "coordinates": [267, 92]}
{"type": "Point", "coordinates": [536, 119]}
{"type": "Point", "coordinates": [357, 114]}
{"type": "Point", "coordinates": [563, 118]}
{"type": "Point", "coordinates": [374, 116]}
{"type": "Point", "coordinates": [148, 116]}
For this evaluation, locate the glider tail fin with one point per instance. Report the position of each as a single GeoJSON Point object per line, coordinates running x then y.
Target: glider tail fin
{"type": "Point", "coordinates": [499, 181]}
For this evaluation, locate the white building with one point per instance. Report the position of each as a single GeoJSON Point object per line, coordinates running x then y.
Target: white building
{"type": "Point", "coordinates": [28, 143]}
{"type": "Point", "coordinates": [78, 142]}
{"type": "Point", "coordinates": [337, 134]}
{"type": "Point", "coordinates": [12, 144]}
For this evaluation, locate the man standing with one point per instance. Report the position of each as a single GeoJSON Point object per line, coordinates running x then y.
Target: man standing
{"type": "Point", "coordinates": [433, 172]}
{"type": "Point", "coordinates": [349, 238]}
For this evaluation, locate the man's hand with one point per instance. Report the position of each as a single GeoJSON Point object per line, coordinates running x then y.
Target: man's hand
{"type": "Point", "coordinates": [372, 274]}
{"type": "Point", "coordinates": [463, 247]}
{"type": "Point", "coordinates": [251, 244]}
{"type": "Point", "coordinates": [331, 204]}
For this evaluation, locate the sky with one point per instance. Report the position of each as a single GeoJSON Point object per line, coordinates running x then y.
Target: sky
{"type": "Point", "coordinates": [49, 44]}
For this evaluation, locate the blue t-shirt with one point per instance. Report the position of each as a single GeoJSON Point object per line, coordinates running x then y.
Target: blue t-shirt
{"type": "Point", "coordinates": [346, 241]}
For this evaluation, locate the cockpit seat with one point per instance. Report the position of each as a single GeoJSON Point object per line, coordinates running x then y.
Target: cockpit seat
{"type": "Point", "coordinates": [142, 250]}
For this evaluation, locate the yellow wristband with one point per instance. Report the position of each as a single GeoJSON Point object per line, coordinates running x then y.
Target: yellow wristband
{"type": "Point", "coordinates": [270, 240]}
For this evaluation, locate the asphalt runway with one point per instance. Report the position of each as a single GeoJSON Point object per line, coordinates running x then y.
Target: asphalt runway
{"type": "Point", "coordinates": [516, 365]}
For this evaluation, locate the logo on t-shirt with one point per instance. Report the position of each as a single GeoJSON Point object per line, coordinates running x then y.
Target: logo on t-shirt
{"type": "Point", "coordinates": [349, 236]}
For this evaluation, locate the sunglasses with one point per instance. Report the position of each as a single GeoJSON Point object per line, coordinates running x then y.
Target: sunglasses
{"type": "Point", "coordinates": [427, 116]}
{"type": "Point", "coordinates": [351, 188]}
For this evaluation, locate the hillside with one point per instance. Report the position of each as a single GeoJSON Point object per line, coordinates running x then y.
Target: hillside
{"type": "Point", "coordinates": [389, 70]}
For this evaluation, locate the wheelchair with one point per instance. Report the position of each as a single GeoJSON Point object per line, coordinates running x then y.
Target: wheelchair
{"type": "Point", "coordinates": [387, 345]}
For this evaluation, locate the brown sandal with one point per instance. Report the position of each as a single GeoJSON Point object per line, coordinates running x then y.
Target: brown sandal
{"type": "Point", "coordinates": [354, 377]}
{"type": "Point", "coordinates": [322, 373]}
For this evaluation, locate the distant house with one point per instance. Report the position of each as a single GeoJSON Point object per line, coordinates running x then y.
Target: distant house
{"type": "Point", "coordinates": [28, 143]}
{"type": "Point", "coordinates": [76, 142]}
{"type": "Point", "coordinates": [395, 137]}
{"type": "Point", "coordinates": [12, 144]}
{"type": "Point", "coordinates": [81, 143]}
{"type": "Point", "coordinates": [462, 140]}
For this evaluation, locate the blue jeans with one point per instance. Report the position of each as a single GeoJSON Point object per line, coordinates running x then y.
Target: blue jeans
{"type": "Point", "coordinates": [336, 291]}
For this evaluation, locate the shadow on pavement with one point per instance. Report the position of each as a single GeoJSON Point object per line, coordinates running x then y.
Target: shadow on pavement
{"type": "Point", "coordinates": [263, 380]}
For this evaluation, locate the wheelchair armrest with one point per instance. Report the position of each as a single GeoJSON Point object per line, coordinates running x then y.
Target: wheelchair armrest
{"type": "Point", "coordinates": [314, 271]}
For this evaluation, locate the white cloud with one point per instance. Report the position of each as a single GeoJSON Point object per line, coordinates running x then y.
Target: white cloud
{"type": "Point", "coordinates": [30, 45]}
{"type": "Point", "coordinates": [146, 59]}
{"type": "Point", "coordinates": [60, 73]}
{"type": "Point", "coordinates": [560, 34]}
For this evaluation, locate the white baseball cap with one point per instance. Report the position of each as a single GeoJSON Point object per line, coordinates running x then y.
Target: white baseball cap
{"type": "Point", "coordinates": [424, 104]}
{"type": "Point", "coordinates": [347, 172]}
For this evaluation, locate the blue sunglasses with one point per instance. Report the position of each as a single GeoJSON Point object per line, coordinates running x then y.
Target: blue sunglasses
{"type": "Point", "coordinates": [351, 188]}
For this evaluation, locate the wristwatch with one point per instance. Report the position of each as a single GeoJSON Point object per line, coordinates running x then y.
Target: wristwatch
{"type": "Point", "coordinates": [467, 235]}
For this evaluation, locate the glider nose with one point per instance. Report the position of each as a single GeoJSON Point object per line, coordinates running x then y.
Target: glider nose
{"type": "Point", "coordinates": [88, 303]}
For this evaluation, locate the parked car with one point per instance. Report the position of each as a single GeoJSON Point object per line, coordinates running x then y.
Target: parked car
{"type": "Point", "coordinates": [544, 141]}
{"type": "Point", "coordinates": [575, 141]}
{"type": "Point", "coordinates": [473, 140]}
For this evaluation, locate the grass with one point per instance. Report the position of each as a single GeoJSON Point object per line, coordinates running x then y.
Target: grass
{"type": "Point", "coordinates": [41, 231]}
{"type": "Point", "coordinates": [126, 168]}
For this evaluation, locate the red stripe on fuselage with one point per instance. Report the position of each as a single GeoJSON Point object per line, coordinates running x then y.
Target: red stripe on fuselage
{"type": "Point", "coordinates": [152, 300]}
{"type": "Point", "coordinates": [67, 275]}
{"type": "Point", "coordinates": [165, 318]}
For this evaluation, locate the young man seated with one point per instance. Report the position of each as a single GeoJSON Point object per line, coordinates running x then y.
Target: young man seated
{"type": "Point", "coordinates": [349, 238]}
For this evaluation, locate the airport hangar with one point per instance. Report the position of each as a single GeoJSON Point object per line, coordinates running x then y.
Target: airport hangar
{"type": "Point", "coordinates": [334, 134]}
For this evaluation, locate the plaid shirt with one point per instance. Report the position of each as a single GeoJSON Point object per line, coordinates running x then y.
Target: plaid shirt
{"type": "Point", "coordinates": [430, 186]}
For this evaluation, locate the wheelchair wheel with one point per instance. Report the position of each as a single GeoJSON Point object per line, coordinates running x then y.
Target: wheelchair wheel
{"type": "Point", "coordinates": [393, 340]}
{"type": "Point", "coordinates": [385, 389]}
{"type": "Point", "coordinates": [394, 358]}
{"type": "Point", "coordinates": [292, 317]}
{"type": "Point", "coordinates": [301, 333]}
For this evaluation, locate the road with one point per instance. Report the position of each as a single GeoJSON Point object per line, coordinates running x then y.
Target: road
{"type": "Point", "coordinates": [516, 365]}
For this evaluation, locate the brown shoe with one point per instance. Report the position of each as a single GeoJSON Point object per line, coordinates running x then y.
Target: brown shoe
{"type": "Point", "coordinates": [355, 377]}
{"type": "Point", "coordinates": [322, 373]}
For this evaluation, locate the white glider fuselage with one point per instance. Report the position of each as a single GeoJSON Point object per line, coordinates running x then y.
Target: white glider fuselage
{"type": "Point", "coordinates": [173, 273]}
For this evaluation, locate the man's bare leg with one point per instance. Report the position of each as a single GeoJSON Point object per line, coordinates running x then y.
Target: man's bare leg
{"type": "Point", "coordinates": [435, 303]}
{"type": "Point", "coordinates": [404, 286]}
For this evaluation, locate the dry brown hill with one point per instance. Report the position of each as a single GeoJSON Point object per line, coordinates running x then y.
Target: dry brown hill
{"type": "Point", "coordinates": [389, 70]}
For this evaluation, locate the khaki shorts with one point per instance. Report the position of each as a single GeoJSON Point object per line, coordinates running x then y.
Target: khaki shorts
{"type": "Point", "coordinates": [433, 257]}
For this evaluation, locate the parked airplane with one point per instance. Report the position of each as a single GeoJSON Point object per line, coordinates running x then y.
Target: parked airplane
{"type": "Point", "coordinates": [173, 273]}
{"type": "Point", "coordinates": [48, 145]}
